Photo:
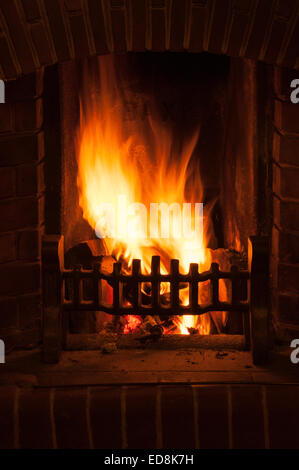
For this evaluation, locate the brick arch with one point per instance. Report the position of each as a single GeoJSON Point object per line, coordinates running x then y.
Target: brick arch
{"type": "Point", "coordinates": [34, 33]}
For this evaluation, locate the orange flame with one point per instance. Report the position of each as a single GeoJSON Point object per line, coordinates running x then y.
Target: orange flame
{"type": "Point", "coordinates": [138, 159]}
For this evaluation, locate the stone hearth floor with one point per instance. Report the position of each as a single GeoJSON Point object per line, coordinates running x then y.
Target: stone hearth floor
{"type": "Point", "coordinates": [130, 399]}
{"type": "Point", "coordinates": [24, 368]}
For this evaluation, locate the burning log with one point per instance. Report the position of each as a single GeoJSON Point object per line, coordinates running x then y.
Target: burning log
{"type": "Point", "coordinates": [166, 342]}
{"type": "Point", "coordinates": [109, 348]}
{"type": "Point", "coordinates": [154, 334]}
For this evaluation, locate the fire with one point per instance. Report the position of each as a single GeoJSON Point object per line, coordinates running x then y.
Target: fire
{"type": "Point", "coordinates": [138, 162]}
{"type": "Point", "coordinates": [133, 322]}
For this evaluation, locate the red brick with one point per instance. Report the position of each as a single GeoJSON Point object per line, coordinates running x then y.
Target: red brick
{"type": "Point", "coordinates": [212, 417]}
{"type": "Point", "coordinates": [291, 54]}
{"type": "Point", "coordinates": [275, 40]}
{"type": "Point", "coordinates": [41, 44]}
{"type": "Point", "coordinates": [247, 418]}
{"type": "Point", "coordinates": [259, 28]}
{"type": "Point", "coordinates": [283, 415]}
{"type": "Point", "coordinates": [285, 246]}
{"type": "Point", "coordinates": [6, 59]}
{"type": "Point", "coordinates": [286, 215]}
{"type": "Point", "coordinates": [73, 5]}
{"type": "Point", "coordinates": [285, 182]}
{"type": "Point", "coordinates": [79, 36]}
{"type": "Point", "coordinates": [177, 417]}
{"type": "Point", "coordinates": [98, 26]}
{"type": "Point", "coordinates": [7, 398]}
{"type": "Point", "coordinates": [118, 26]}
{"type": "Point", "coordinates": [286, 149]}
{"type": "Point", "coordinates": [41, 210]}
{"type": "Point", "coordinates": [198, 19]}
{"type": "Point", "coordinates": [9, 313]}
{"type": "Point", "coordinates": [30, 179]}
{"type": "Point", "coordinates": [238, 28]}
{"type": "Point", "coordinates": [34, 420]}
{"type": "Point", "coordinates": [158, 30]}
{"type": "Point", "coordinates": [288, 308]}
{"type": "Point", "coordinates": [29, 311]}
{"type": "Point", "coordinates": [285, 9]}
{"type": "Point", "coordinates": [71, 419]}
{"type": "Point", "coordinates": [31, 10]}
{"type": "Point", "coordinates": [139, 24]}
{"type": "Point", "coordinates": [19, 38]}
{"type": "Point", "coordinates": [6, 118]}
{"type": "Point", "coordinates": [17, 278]}
{"type": "Point", "coordinates": [218, 26]}
{"type": "Point", "coordinates": [29, 115]}
{"type": "Point", "coordinates": [8, 250]}
{"type": "Point", "coordinates": [27, 180]}
{"type": "Point", "coordinates": [105, 417]}
{"type": "Point", "coordinates": [27, 87]}
{"type": "Point", "coordinates": [287, 116]}
{"type": "Point", "coordinates": [28, 245]}
{"type": "Point", "coordinates": [156, 4]}
{"type": "Point", "coordinates": [18, 213]}
{"type": "Point", "coordinates": [8, 182]}
{"type": "Point", "coordinates": [141, 417]}
{"type": "Point", "coordinates": [288, 277]}
{"type": "Point", "coordinates": [177, 31]}
{"type": "Point", "coordinates": [22, 150]}
{"type": "Point", "coordinates": [57, 29]}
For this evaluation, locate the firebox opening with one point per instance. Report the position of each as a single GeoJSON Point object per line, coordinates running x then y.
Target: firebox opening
{"type": "Point", "coordinates": [158, 127]}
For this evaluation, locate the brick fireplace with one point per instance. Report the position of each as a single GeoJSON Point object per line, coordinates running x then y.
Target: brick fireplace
{"type": "Point", "coordinates": [213, 100]}
{"type": "Point", "coordinates": [23, 203]}
{"type": "Point", "coordinates": [22, 206]}
{"type": "Point", "coordinates": [41, 44]}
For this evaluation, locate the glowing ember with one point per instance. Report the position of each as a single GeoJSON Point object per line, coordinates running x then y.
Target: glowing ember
{"type": "Point", "coordinates": [138, 163]}
{"type": "Point", "coordinates": [133, 322]}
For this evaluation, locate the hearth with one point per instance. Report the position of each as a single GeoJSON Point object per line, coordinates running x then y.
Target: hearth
{"type": "Point", "coordinates": [121, 142]}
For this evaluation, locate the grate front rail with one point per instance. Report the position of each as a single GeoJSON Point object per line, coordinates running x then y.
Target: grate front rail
{"type": "Point", "coordinates": [74, 279]}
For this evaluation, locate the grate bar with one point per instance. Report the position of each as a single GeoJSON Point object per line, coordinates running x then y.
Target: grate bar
{"type": "Point", "coordinates": [133, 280]}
